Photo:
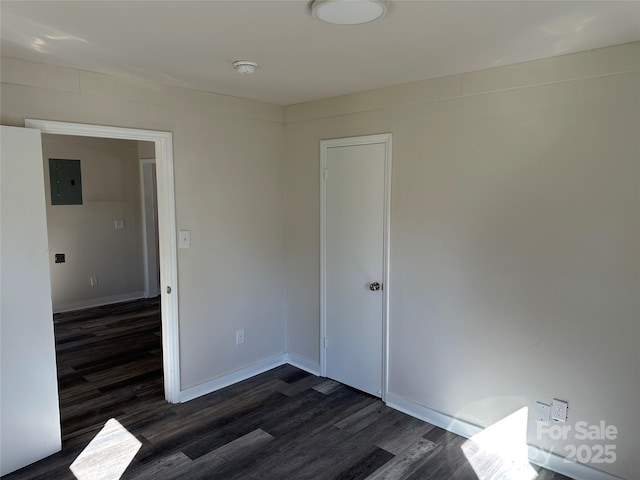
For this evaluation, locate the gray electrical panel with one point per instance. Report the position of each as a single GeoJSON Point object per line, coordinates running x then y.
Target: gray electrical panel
{"type": "Point", "coordinates": [66, 182]}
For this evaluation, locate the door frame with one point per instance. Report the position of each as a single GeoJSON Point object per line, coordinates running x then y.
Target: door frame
{"type": "Point", "coordinates": [149, 276]}
{"type": "Point", "coordinates": [386, 139]}
{"type": "Point", "coordinates": [166, 231]}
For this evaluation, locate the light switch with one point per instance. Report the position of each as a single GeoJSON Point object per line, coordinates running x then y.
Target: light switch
{"type": "Point", "coordinates": [184, 239]}
{"type": "Point", "coordinates": [119, 224]}
{"type": "Point", "coordinates": [542, 413]}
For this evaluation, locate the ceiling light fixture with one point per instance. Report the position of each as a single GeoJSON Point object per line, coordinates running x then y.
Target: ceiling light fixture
{"type": "Point", "coordinates": [348, 12]}
{"type": "Point", "coordinates": [244, 66]}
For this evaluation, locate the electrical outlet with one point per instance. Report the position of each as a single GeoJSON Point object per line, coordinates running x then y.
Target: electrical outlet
{"type": "Point", "coordinates": [239, 337]}
{"type": "Point", "coordinates": [559, 410]}
{"type": "Point", "coordinates": [542, 413]}
{"type": "Point", "coordinates": [93, 280]}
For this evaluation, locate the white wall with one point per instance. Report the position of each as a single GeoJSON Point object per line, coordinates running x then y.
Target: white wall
{"type": "Point", "coordinates": [29, 416]}
{"type": "Point", "coordinates": [86, 233]}
{"type": "Point", "coordinates": [146, 150]}
{"type": "Point", "coordinates": [515, 239]}
{"type": "Point", "coordinates": [515, 227]}
{"type": "Point", "coordinates": [229, 192]}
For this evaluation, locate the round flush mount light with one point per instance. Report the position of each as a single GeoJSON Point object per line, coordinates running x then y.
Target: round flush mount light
{"type": "Point", "coordinates": [244, 66]}
{"type": "Point", "coordinates": [348, 12]}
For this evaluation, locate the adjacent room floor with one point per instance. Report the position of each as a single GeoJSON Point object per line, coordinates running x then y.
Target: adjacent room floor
{"type": "Point", "coordinates": [282, 424]}
{"type": "Point", "coordinates": [109, 362]}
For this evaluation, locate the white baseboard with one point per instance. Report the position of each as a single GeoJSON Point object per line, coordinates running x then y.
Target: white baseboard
{"type": "Point", "coordinates": [303, 364]}
{"type": "Point", "coordinates": [233, 377]}
{"type": "Point", "coordinates": [459, 427]}
{"type": "Point", "coordinates": [248, 372]}
{"type": "Point", "coordinates": [537, 456]}
{"type": "Point", "coordinates": [98, 302]}
{"type": "Point", "coordinates": [559, 464]}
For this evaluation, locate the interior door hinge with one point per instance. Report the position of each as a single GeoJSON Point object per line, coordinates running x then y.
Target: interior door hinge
{"type": "Point", "coordinates": [326, 175]}
{"type": "Point", "coordinates": [325, 342]}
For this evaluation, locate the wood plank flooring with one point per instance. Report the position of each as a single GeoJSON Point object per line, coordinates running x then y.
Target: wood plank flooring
{"type": "Point", "coordinates": [109, 362]}
{"type": "Point", "coordinates": [282, 424]}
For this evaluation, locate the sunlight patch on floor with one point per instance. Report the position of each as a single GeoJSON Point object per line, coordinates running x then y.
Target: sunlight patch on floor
{"type": "Point", "coordinates": [500, 450]}
{"type": "Point", "coordinates": [108, 455]}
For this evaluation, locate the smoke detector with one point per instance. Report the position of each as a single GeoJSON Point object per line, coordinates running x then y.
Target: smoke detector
{"type": "Point", "coordinates": [244, 66]}
{"type": "Point", "coordinates": [348, 12]}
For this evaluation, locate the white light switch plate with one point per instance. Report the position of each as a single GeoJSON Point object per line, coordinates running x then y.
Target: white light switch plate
{"type": "Point", "coordinates": [184, 239]}
{"type": "Point", "coordinates": [542, 413]}
{"type": "Point", "coordinates": [119, 224]}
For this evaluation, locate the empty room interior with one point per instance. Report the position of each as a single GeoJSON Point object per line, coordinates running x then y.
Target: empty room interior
{"type": "Point", "coordinates": [330, 239]}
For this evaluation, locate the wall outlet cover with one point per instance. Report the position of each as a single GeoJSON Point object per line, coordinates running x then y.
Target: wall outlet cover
{"type": "Point", "coordinates": [543, 411]}
{"type": "Point", "coordinates": [559, 409]}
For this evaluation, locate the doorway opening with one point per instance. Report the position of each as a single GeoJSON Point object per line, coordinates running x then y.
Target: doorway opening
{"type": "Point", "coordinates": [167, 254]}
{"type": "Point", "coordinates": [101, 223]}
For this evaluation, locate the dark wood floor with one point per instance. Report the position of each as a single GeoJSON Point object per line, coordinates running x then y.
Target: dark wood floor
{"type": "Point", "coordinates": [282, 424]}
{"type": "Point", "coordinates": [109, 362]}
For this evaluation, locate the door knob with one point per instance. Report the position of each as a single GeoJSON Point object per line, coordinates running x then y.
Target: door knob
{"type": "Point", "coordinates": [374, 287]}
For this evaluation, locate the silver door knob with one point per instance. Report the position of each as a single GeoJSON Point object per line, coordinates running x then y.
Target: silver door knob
{"type": "Point", "coordinates": [374, 287]}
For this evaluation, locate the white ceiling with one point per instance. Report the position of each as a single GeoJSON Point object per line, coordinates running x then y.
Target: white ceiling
{"type": "Point", "coordinates": [192, 44]}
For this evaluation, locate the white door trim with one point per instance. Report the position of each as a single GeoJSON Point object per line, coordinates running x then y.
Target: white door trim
{"type": "Point", "coordinates": [166, 231]}
{"type": "Point", "coordinates": [384, 138]}
{"type": "Point", "coordinates": [148, 276]}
